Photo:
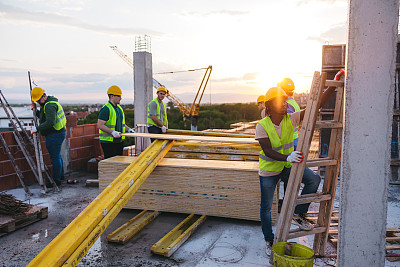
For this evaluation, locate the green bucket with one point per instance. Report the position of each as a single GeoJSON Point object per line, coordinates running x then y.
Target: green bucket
{"type": "Point", "coordinates": [302, 256]}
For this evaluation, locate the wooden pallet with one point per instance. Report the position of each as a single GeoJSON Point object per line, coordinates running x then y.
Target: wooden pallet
{"type": "Point", "coordinates": [392, 236]}
{"type": "Point", "coordinates": [9, 224]}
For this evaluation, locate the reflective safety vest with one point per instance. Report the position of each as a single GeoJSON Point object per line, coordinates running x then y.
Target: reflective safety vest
{"type": "Point", "coordinates": [112, 121]}
{"type": "Point", "coordinates": [283, 145]}
{"type": "Point", "coordinates": [61, 121]}
{"type": "Point", "coordinates": [294, 104]}
{"type": "Point", "coordinates": [158, 115]}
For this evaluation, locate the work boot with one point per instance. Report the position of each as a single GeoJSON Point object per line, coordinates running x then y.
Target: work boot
{"type": "Point", "coordinates": [268, 247]}
{"type": "Point", "coordinates": [301, 222]}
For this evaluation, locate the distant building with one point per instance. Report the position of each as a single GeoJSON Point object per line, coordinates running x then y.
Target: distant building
{"type": "Point", "coordinates": [24, 114]}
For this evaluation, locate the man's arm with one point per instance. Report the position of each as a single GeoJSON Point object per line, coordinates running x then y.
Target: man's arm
{"type": "Point", "coordinates": [157, 121]}
{"type": "Point", "coordinates": [266, 146]}
{"type": "Point", "coordinates": [102, 126]}
{"type": "Point", "coordinates": [51, 117]}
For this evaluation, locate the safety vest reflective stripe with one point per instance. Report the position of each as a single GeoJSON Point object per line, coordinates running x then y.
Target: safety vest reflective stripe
{"type": "Point", "coordinates": [112, 120]}
{"type": "Point", "coordinates": [61, 121]}
{"type": "Point", "coordinates": [294, 104]}
{"type": "Point", "coordinates": [282, 145]}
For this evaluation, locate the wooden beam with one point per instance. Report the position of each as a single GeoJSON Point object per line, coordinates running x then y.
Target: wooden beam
{"type": "Point", "coordinates": [194, 138]}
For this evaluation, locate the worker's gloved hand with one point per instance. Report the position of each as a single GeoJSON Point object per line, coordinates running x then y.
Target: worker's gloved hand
{"type": "Point", "coordinates": [164, 129]}
{"type": "Point", "coordinates": [33, 106]}
{"type": "Point", "coordinates": [32, 129]}
{"type": "Point", "coordinates": [339, 75]}
{"type": "Point", "coordinates": [295, 157]}
{"type": "Point", "coordinates": [116, 134]}
{"type": "Point", "coordinates": [130, 130]}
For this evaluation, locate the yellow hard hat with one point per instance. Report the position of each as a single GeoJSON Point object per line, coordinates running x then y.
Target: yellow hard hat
{"type": "Point", "coordinates": [114, 90]}
{"type": "Point", "coordinates": [37, 93]}
{"type": "Point", "coordinates": [261, 98]}
{"type": "Point", "coordinates": [275, 92]}
{"type": "Point", "coordinates": [161, 88]}
{"type": "Point", "coordinates": [286, 84]}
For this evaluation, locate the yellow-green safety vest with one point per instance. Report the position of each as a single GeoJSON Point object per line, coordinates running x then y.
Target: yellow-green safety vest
{"type": "Point", "coordinates": [158, 115]}
{"type": "Point", "coordinates": [283, 145]}
{"type": "Point", "coordinates": [61, 121]}
{"type": "Point", "coordinates": [112, 121]}
{"type": "Point", "coordinates": [296, 106]}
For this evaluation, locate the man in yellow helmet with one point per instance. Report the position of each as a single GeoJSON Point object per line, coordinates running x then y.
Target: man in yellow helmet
{"type": "Point", "coordinates": [275, 133]}
{"type": "Point", "coordinates": [288, 86]}
{"type": "Point", "coordinates": [261, 105]}
{"type": "Point", "coordinates": [111, 123]}
{"type": "Point", "coordinates": [157, 121]}
{"type": "Point", "coordinates": [52, 123]}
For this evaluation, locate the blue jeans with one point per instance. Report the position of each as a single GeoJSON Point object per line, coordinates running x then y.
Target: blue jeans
{"type": "Point", "coordinates": [53, 145]}
{"type": "Point", "coordinates": [311, 182]}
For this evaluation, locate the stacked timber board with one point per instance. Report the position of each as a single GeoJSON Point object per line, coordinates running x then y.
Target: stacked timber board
{"type": "Point", "coordinates": [211, 187]}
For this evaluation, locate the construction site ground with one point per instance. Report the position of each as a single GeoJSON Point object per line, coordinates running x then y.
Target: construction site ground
{"type": "Point", "coordinates": [218, 242]}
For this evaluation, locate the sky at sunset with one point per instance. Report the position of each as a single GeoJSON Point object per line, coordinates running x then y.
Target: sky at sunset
{"type": "Point", "coordinates": [251, 45]}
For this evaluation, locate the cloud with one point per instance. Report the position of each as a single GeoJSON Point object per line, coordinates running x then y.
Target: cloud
{"type": "Point", "coordinates": [233, 13]}
{"type": "Point", "coordinates": [335, 35]}
{"type": "Point", "coordinates": [12, 13]}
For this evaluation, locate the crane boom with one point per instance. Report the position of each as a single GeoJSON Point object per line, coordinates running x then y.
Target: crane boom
{"type": "Point", "coordinates": [191, 112]}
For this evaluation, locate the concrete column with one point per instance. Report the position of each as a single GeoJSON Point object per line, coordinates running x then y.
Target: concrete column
{"type": "Point", "coordinates": [143, 92]}
{"type": "Point", "coordinates": [365, 171]}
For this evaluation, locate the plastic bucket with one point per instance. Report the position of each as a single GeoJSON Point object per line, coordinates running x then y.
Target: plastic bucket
{"type": "Point", "coordinates": [302, 256]}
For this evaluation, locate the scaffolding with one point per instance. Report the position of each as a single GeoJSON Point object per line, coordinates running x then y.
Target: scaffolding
{"type": "Point", "coordinates": [143, 44]}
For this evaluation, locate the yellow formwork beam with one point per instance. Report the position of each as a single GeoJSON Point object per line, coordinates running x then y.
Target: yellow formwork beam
{"type": "Point", "coordinates": [199, 133]}
{"type": "Point", "coordinates": [86, 223]}
{"type": "Point", "coordinates": [167, 245]}
{"type": "Point", "coordinates": [129, 229]}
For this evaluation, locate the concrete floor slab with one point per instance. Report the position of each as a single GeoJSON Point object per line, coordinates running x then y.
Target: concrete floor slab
{"type": "Point", "coordinates": [217, 242]}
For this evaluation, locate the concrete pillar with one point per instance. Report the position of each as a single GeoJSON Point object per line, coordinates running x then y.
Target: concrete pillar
{"type": "Point", "coordinates": [143, 92]}
{"type": "Point", "coordinates": [365, 171]}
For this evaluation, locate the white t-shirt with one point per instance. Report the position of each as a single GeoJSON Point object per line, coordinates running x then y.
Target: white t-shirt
{"type": "Point", "coordinates": [261, 133]}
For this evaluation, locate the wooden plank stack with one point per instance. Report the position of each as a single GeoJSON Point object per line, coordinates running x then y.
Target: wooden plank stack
{"type": "Point", "coordinates": [211, 187]}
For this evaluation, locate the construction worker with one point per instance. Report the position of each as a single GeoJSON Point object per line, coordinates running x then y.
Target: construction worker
{"type": "Point", "coordinates": [111, 124]}
{"type": "Point", "coordinates": [261, 105]}
{"type": "Point", "coordinates": [157, 121]}
{"type": "Point", "coordinates": [52, 123]}
{"type": "Point", "coordinates": [288, 86]}
{"type": "Point", "coordinates": [275, 133]}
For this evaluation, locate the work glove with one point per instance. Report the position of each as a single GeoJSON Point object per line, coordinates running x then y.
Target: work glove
{"type": "Point", "coordinates": [130, 130]}
{"type": "Point", "coordinates": [33, 106]}
{"type": "Point", "coordinates": [339, 75]}
{"type": "Point", "coordinates": [164, 129]}
{"type": "Point", "coordinates": [116, 134]}
{"type": "Point", "coordinates": [33, 129]}
{"type": "Point", "coordinates": [295, 157]}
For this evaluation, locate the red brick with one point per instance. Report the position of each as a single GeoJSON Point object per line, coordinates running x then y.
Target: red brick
{"type": "Point", "coordinates": [75, 142]}
{"type": "Point", "coordinates": [89, 129]}
{"type": "Point", "coordinates": [7, 168]}
{"type": "Point", "coordinates": [87, 141]}
{"type": "Point", "coordinates": [72, 120]}
{"type": "Point", "coordinates": [98, 151]}
{"type": "Point", "coordinates": [74, 154]}
{"type": "Point", "coordinates": [23, 164]}
{"type": "Point", "coordinates": [9, 138]}
{"type": "Point", "coordinates": [77, 131]}
{"type": "Point", "coordinates": [76, 165]}
{"type": "Point", "coordinates": [8, 182]}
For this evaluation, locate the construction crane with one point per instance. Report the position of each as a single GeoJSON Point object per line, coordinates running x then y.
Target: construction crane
{"type": "Point", "coordinates": [191, 112]}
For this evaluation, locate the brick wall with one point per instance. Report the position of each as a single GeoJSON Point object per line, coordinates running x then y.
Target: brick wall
{"type": "Point", "coordinates": [79, 147]}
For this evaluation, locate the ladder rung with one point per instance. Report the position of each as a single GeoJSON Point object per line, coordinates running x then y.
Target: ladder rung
{"type": "Point", "coordinates": [334, 83]}
{"type": "Point", "coordinates": [328, 124]}
{"type": "Point", "coordinates": [321, 162]}
{"type": "Point", "coordinates": [393, 247]}
{"type": "Point", "coordinates": [297, 232]}
{"type": "Point", "coordinates": [316, 197]}
{"type": "Point", "coordinates": [393, 238]}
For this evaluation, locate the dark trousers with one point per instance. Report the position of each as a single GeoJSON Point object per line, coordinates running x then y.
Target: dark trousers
{"type": "Point", "coordinates": [112, 149]}
{"type": "Point", "coordinates": [154, 130]}
{"type": "Point", "coordinates": [53, 145]}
